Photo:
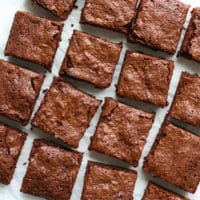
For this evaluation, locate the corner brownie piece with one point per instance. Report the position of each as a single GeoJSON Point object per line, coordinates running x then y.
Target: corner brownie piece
{"type": "Point", "coordinates": [52, 171]}
{"type": "Point", "coordinates": [145, 78]}
{"type": "Point", "coordinates": [159, 24]}
{"type": "Point", "coordinates": [11, 143]}
{"type": "Point", "coordinates": [65, 112]}
{"type": "Point", "coordinates": [60, 8]}
{"type": "Point", "coordinates": [154, 191]}
{"type": "Point", "coordinates": [190, 46]}
{"type": "Point", "coordinates": [91, 59]}
{"type": "Point", "coordinates": [108, 183]}
{"type": "Point", "coordinates": [114, 14]}
{"type": "Point", "coordinates": [19, 89]}
{"type": "Point", "coordinates": [175, 157]}
{"type": "Point", "coordinates": [122, 131]}
{"type": "Point", "coordinates": [34, 39]}
{"type": "Point", "coordinates": [186, 103]}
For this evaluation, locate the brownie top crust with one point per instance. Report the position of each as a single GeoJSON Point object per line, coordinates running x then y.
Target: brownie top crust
{"type": "Point", "coordinates": [19, 89]}
{"type": "Point", "coordinates": [111, 182]}
{"type": "Point", "coordinates": [52, 171]}
{"type": "Point", "coordinates": [11, 143]}
{"type": "Point", "coordinates": [175, 158]}
{"type": "Point", "coordinates": [145, 78]}
{"type": "Point", "coordinates": [122, 131]}
{"type": "Point", "coordinates": [60, 8]}
{"type": "Point", "coordinates": [186, 103]}
{"type": "Point", "coordinates": [159, 24]}
{"type": "Point", "coordinates": [190, 46]}
{"type": "Point", "coordinates": [112, 14]}
{"type": "Point", "coordinates": [155, 192]}
{"type": "Point", "coordinates": [65, 112]}
{"type": "Point", "coordinates": [34, 39]}
{"type": "Point", "coordinates": [91, 59]}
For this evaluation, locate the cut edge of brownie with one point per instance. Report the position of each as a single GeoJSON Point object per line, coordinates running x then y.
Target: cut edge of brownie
{"type": "Point", "coordinates": [66, 63]}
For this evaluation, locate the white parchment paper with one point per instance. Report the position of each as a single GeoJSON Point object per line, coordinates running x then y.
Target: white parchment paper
{"type": "Point", "coordinates": [7, 11]}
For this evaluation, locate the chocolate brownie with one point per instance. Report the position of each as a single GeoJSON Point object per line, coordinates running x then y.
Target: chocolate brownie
{"type": "Point", "coordinates": [145, 78]}
{"type": "Point", "coordinates": [52, 171]}
{"type": "Point", "coordinates": [19, 89]}
{"type": "Point", "coordinates": [122, 131]}
{"type": "Point", "coordinates": [60, 8]}
{"type": "Point", "coordinates": [155, 192]}
{"type": "Point", "coordinates": [114, 14]}
{"type": "Point", "coordinates": [11, 143]}
{"type": "Point", "coordinates": [159, 24]}
{"type": "Point", "coordinates": [34, 39]}
{"type": "Point", "coordinates": [91, 59]}
{"type": "Point", "coordinates": [108, 183]}
{"type": "Point", "coordinates": [186, 103]}
{"type": "Point", "coordinates": [65, 112]}
{"type": "Point", "coordinates": [175, 157]}
{"type": "Point", "coordinates": [190, 46]}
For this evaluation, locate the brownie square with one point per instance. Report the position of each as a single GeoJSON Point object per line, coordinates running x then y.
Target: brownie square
{"type": "Point", "coordinates": [122, 131]}
{"type": "Point", "coordinates": [52, 171]}
{"type": "Point", "coordinates": [65, 112]}
{"type": "Point", "coordinates": [60, 8]}
{"type": "Point", "coordinates": [156, 192]}
{"type": "Point", "coordinates": [34, 39]}
{"type": "Point", "coordinates": [159, 24]}
{"type": "Point", "coordinates": [19, 89]}
{"type": "Point", "coordinates": [115, 14]}
{"type": "Point", "coordinates": [108, 183]}
{"type": "Point", "coordinates": [186, 103]}
{"type": "Point", "coordinates": [190, 47]}
{"type": "Point", "coordinates": [11, 143]}
{"type": "Point", "coordinates": [91, 59]}
{"type": "Point", "coordinates": [145, 78]}
{"type": "Point", "coordinates": [175, 157]}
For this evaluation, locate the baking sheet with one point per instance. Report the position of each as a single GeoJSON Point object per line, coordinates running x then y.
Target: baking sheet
{"type": "Point", "coordinates": [7, 11]}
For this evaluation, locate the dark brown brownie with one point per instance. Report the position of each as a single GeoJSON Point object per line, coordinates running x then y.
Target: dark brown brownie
{"type": "Point", "coordinates": [155, 192]}
{"type": "Point", "coordinates": [11, 143]}
{"type": "Point", "coordinates": [122, 131]}
{"type": "Point", "coordinates": [60, 8]}
{"type": "Point", "coordinates": [159, 24]}
{"type": "Point", "coordinates": [34, 39]}
{"type": "Point", "coordinates": [52, 171]}
{"type": "Point", "coordinates": [65, 112]}
{"type": "Point", "coordinates": [19, 89]}
{"type": "Point", "coordinates": [108, 183]}
{"type": "Point", "coordinates": [91, 59]}
{"type": "Point", "coordinates": [190, 46]}
{"type": "Point", "coordinates": [114, 14]}
{"type": "Point", "coordinates": [175, 157]}
{"type": "Point", "coordinates": [145, 78]}
{"type": "Point", "coordinates": [186, 103]}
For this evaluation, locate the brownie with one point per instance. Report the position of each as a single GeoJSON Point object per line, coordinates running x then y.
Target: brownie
{"type": "Point", "coordinates": [65, 112]}
{"type": "Point", "coordinates": [122, 131]}
{"type": "Point", "coordinates": [19, 89]}
{"type": "Point", "coordinates": [91, 59]}
{"type": "Point", "coordinates": [108, 183]}
{"type": "Point", "coordinates": [115, 14]}
{"type": "Point", "coordinates": [60, 8]}
{"type": "Point", "coordinates": [34, 39]}
{"type": "Point", "coordinates": [11, 143]}
{"type": "Point", "coordinates": [186, 103]}
{"type": "Point", "coordinates": [145, 78]}
{"type": "Point", "coordinates": [52, 171]}
{"type": "Point", "coordinates": [190, 46]}
{"type": "Point", "coordinates": [175, 157]}
{"type": "Point", "coordinates": [159, 24]}
{"type": "Point", "coordinates": [155, 192]}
